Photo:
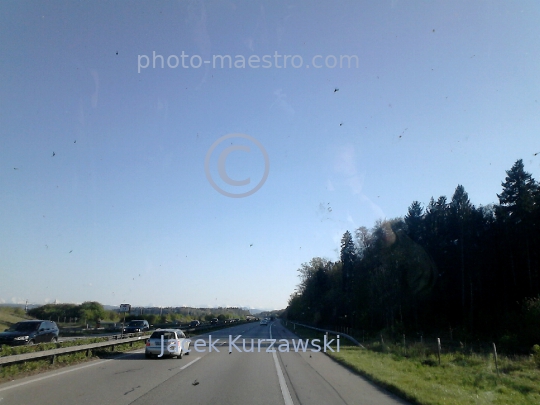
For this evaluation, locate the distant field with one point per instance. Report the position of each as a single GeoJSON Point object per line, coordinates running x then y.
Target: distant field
{"type": "Point", "coordinates": [11, 315]}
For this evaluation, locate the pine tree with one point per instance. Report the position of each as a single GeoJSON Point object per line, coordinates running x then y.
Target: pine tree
{"type": "Point", "coordinates": [348, 258]}
{"type": "Point", "coordinates": [516, 211]}
{"type": "Point", "coordinates": [414, 220]}
{"type": "Point", "coordinates": [517, 199]}
{"type": "Point", "coordinates": [460, 211]}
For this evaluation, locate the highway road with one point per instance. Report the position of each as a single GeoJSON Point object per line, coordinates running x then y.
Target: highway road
{"type": "Point", "coordinates": [205, 377]}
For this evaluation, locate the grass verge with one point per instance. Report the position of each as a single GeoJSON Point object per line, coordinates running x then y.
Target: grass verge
{"type": "Point", "coordinates": [416, 376]}
{"type": "Point", "coordinates": [10, 316]}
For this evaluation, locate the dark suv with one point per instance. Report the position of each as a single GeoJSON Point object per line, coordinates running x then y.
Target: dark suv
{"type": "Point", "coordinates": [137, 326]}
{"type": "Point", "coordinates": [29, 333]}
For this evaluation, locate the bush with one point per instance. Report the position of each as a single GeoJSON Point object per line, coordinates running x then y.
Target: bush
{"type": "Point", "coordinates": [508, 343]}
{"type": "Point", "coordinates": [536, 355]}
{"type": "Point", "coordinates": [531, 322]}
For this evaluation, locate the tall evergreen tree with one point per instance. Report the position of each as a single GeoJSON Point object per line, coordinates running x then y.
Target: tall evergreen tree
{"type": "Point", "coordinates": [414, 220]}
{"type": "Point", "coordinates": [348, 258]}
{"type": "Point", "coordinates": [460, 212]}
{"type": "Point", "coordinates": [516, 211]}
{"type": "Point", "coordinates": [436, 215]}
{"type": "Point", "coordinates": [517, 199]}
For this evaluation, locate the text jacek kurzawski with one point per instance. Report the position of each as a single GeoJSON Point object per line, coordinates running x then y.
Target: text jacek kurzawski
{"type": "Point", "coordinates": [250, 345]}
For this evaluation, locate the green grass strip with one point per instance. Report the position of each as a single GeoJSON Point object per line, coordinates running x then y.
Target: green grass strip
{"type": "Point", "coordinates": [416, 376]}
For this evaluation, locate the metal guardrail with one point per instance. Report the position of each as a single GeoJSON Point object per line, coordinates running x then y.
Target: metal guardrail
{"type": "Point", "coordinates": [113, 341]}
{"type": "Point", "coordinates": [356, 342]}
{"type": "Point", "coordinates": [52, 353]}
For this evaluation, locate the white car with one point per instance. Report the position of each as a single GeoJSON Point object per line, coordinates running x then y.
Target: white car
{"type": "Point", "coordinates": [167, 343]}
{"type": "Point", "coordinates": [264, 321]}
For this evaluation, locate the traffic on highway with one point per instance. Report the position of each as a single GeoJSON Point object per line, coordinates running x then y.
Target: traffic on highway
{"type": "Point", "coordinates": [270, 202]}
{"type": "Point", "coordinates": [219, 371]}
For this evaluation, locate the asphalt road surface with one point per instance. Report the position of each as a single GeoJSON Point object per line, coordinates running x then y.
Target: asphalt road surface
{"type": "Point", "coordinates": [206, 377]}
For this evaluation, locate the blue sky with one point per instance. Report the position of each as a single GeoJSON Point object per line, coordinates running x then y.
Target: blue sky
{"type": "Point", "coordinates": [445, 93]}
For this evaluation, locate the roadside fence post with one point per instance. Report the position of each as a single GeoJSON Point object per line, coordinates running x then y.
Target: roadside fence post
{"type": "Point", "coordinates": [439, 349]}
{"type": "Point", "coordinates": [495, 355]}
{"type": "Point", "coordinates": [404, 345]}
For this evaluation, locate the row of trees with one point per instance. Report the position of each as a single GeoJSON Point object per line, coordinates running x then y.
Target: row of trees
{"type": "Point", "coordinates": [87, 311]}
{"type": "Point", "coordinates": [92, 311]}
{"type": "Point", "coordinates": [176, 317]}
{"type": "Point", "coordinates": [190, 313]}
{"type": "Point", "coordinates": [450, 265]}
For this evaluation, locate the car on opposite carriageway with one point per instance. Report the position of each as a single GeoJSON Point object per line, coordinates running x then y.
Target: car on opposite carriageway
{"type": "Point", "coordinates": [137, 325]}
{"type": "Point", "coordinates": [29, 333]}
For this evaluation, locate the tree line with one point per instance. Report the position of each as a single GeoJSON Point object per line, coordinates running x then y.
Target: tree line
{"type": "Point", "coordinates": [92, 311]}
{"type": "Point", "coordinates": [89, 311]}
{"type": "Point", "coordinates": [447, 266]}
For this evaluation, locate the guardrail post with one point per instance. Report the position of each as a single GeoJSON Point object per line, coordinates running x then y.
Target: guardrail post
{"type": "Point", "coordinates": [53, 358]}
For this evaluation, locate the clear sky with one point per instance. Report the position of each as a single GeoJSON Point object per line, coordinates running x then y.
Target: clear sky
{"type": "Point", "coordinates": [104, 194]}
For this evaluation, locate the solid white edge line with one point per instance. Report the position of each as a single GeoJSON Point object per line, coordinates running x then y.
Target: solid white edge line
{"type": "Point", "coordinates": [282, 384]}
